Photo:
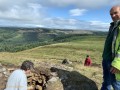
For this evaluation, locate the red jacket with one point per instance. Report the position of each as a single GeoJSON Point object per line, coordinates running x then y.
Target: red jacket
{"type": "Point", "coordinates": [88, 62]}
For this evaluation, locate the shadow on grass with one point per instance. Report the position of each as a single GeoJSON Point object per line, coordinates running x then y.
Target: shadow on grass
{"type": "Point", "coordinates": [72, 80]}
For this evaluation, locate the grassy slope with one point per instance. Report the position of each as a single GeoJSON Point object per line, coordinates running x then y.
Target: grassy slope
{"type": "Point", "coordinates": [75, 50]}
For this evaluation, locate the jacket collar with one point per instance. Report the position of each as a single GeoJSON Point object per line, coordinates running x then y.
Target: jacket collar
{"type": "Point", "coordinates": [115, 23]}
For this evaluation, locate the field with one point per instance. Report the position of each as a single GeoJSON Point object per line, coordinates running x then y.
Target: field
{"type": "Point", "coordinates": [75, 50]}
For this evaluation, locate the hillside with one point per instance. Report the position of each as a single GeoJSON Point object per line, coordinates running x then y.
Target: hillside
{"type": "Point", "coordinates": [74, 51]}
{"type": "Point", "coordinates": [13, 39]}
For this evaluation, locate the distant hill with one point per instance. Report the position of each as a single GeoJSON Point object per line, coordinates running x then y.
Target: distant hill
{"type": "Point", "coordinates": [16, 39]}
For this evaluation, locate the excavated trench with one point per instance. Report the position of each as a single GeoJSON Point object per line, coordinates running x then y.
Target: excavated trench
{"type": "Point", "coordinates": [51, 77]}
{"type": "Point", "coordinates": [36, 80]}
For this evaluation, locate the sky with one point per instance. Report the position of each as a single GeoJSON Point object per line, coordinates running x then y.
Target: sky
{"type": "Point", "coordinates": [60, 14]}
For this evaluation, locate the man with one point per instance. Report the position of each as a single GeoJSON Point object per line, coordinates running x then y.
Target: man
{"type": "Point", "coordinates": [111, 53]}
{"type": "Point", "coordinates": [18, 79]}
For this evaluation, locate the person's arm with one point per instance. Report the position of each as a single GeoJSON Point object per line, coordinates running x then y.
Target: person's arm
{"type": "Point", "coordinates": [115, 69]}
{"type": "Point", "coordinates": [85, 62]}
{"type": "Point", "coordinates": [116, 63]}
{"type": "Point", "coordinates": [23, 83]}
{"type": "Point", "coordinates": [90, 62]}
{"type": "Point", "coordinates": [116, 60]}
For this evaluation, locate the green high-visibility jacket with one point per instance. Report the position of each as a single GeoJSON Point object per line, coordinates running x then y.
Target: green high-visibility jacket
{"type": "Point", "coordinates": [116, 51]}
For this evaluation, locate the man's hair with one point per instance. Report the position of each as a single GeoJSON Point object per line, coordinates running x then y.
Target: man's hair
{"type": "Point", "coordinates": [87, 56]}
{"type": "Point", "coordinates": [116, 6]}
{"type": "Point", "coordinates": [27, 65]}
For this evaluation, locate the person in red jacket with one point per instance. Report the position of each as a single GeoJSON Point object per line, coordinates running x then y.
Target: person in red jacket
{"type": "Point", "coordinates": [88, 61]}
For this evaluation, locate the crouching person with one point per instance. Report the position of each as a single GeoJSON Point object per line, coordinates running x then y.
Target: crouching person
{"type": "Point", "coordinates": [88, 61]}
{"type": "Point", "coordinates": [18, 78]}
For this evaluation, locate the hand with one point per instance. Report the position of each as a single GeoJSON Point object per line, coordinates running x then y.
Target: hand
{"type": "Point", "coordinates": [114, 70]}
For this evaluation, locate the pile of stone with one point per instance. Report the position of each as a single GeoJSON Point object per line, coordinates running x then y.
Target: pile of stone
{"type": "Point", "coordinates": [37, 80]}
{"type": "Point", "coordinates": [4, 73]}
{"type": "Point", "coordinates": [44, 79]}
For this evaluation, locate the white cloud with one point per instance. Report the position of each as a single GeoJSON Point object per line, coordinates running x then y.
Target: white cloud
{"type": "Point", "coordinates": [34, 13]}
{"type": "Point", "coordinates": [116, 2]}
{"type": "Point", "coordinates": [99, 25]}
{"type": "Point", "coordinates": [75, 24]}
{"type": "Point", "coordinates": [30, 13]}
{"type": "Point", "coordinates": [79, 3]}
{"type": "Point", "coordinates": [77, 12]}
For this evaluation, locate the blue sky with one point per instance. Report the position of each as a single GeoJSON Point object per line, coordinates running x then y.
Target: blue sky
{"type": "Point", "coordinates": [61, 14]}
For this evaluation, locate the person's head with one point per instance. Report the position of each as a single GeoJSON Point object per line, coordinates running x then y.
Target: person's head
{"type": "Point", "coordinates": [115, 13]}
{"type": "Point", "coordinates": [27, 66]}
{"type": "Point", "coordinates": [87, 56]}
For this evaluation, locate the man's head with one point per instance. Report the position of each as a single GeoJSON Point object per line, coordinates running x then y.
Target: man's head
{"type": "Point", "coordinates": [27, 66]}
{"type": "Point", "coordinates": [115, 13]}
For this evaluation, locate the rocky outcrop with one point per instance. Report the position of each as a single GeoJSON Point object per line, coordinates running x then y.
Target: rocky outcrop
{"type": "Point", "coordinates": [4, 73]}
